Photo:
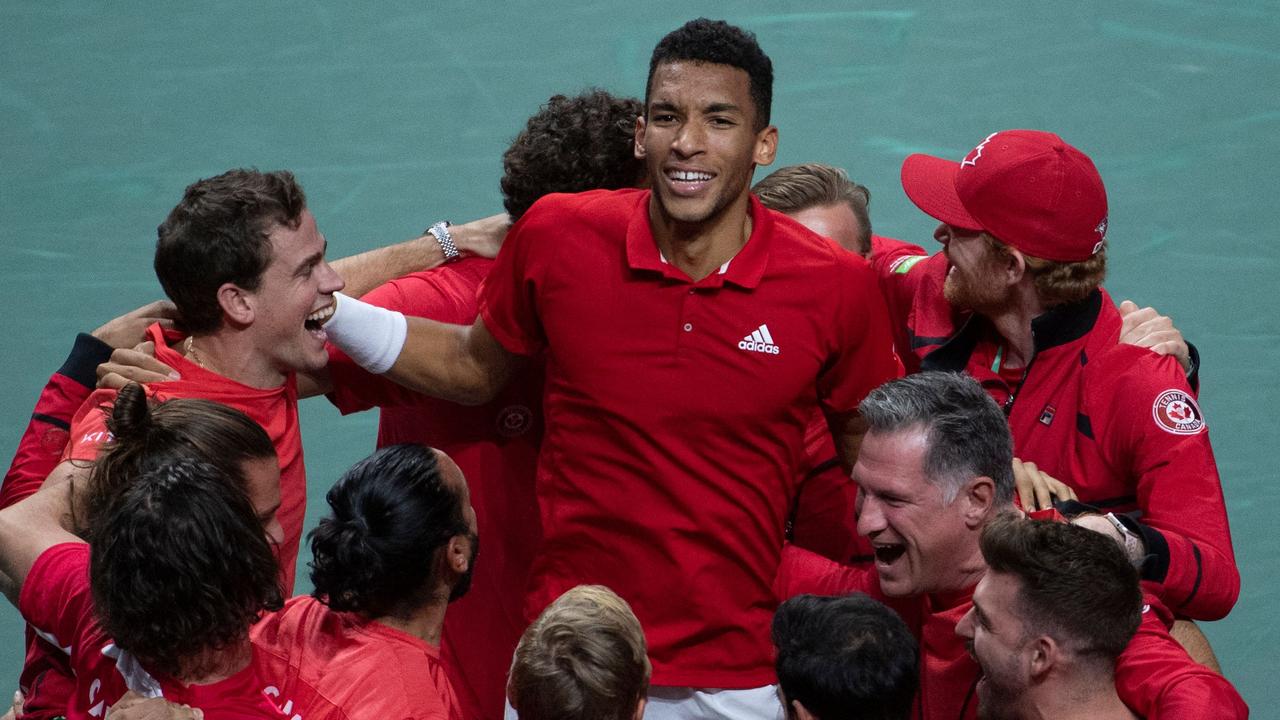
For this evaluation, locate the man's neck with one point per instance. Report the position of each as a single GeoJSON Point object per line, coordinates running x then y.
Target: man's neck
{"type": "Point", "coordinates": [424, 623]}
{"type": "Point", "coordinates": [700, 249]}
{"type": "Point", "coordinates": [229, 353]}
{"type": "Point", "coordinates": [1014, 326]}
{"type": "Point", "coordinates": [1075, 701]}
{"type": "Point", "coordinates": [217, 665]}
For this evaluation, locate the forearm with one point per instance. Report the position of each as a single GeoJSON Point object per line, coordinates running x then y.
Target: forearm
{"type": "Point", "coordinates": [444, 361]}
{"type": "Point", "coordinates": [462, 364]}
{"type": "Point", "coordinates": [367, 270]}
{"type": "Point", "coordinates": [27, 529]}
{"type": "Point", "coordinates": [847, 429]}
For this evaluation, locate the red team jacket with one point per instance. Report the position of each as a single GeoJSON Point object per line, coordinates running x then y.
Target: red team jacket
{"type": "Point", "coordinates": [1117, 423]}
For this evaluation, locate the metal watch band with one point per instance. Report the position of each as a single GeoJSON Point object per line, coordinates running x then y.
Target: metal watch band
{"type": "Point", "coordinates": [1132, 543]}
{"type": "Point", "coordinates": [440, 231]}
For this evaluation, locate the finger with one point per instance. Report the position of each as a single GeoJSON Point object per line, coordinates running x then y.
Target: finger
{"type": "Point", "coordinates": [146, 347]}
{"type": "Point", "coordinates": [143, 360]}
{"type": "Point", "coordinates": [1127, 306]}
{"type": "Point", "coordinates": [1026, 493]}
{"type": "Point", "coordinates": [157, 309]}
{"type": "Point", "coordinates": [1065, 492]}
{"type": "Point", "coordinates": [1043, 496]}
{"type": "Point", "coordinates": [115, 377]}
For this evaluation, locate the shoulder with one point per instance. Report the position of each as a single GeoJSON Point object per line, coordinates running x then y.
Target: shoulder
{"type": "Point", "coordinates": [606, 205]}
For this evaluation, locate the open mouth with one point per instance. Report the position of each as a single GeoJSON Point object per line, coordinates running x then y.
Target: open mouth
{"type": "Point", "coordinates": [314, 323]}
{"type": "Point", "coordinates": [888, 553]}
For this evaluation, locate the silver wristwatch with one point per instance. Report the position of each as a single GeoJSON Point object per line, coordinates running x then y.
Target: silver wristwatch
{"type": "Point", "coordinates": [1134, 547]}
{"type": "Point", "coordinates": [440, 231]}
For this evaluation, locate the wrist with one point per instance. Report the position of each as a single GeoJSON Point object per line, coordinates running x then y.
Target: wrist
{"type": "Point", "coordinates": [443, 236]}
{"type": "Point", "coordinates": [371, 336]}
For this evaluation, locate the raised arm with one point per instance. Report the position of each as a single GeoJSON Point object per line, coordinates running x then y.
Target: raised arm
{"type": "Point", "coordinates": [368, 270]}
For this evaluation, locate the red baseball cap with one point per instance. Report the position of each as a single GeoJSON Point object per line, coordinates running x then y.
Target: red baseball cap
{"type": "Point", "coordinates": [1028, 188]}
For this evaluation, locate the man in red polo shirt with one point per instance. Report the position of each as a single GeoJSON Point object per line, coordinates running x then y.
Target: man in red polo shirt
{"type": "Point", "coordinates": [1024, 222]}
{"type": "Point", "coordinates": [689, 335]}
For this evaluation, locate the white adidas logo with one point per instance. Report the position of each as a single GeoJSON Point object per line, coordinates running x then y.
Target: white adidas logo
{"type": "Point", "coordinates": [759, 341]}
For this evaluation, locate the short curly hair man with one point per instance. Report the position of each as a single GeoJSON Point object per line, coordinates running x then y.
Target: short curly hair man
{"type": "Point", "coordinates": [573, 144]}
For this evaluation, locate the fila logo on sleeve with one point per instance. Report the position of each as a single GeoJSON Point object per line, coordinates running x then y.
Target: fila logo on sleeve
{"type": "Point", "coordinates": [759, 341]}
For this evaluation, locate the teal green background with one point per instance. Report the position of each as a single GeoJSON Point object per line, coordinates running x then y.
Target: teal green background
{"type": "Point", "coordinates": [394, 115]}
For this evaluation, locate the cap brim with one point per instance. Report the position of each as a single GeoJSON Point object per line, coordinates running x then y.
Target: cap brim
{"type": "Point", "coordinates": [930, 182]}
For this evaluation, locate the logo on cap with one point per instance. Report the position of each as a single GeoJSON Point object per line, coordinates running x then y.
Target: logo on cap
{"type": "Point", "coordinates": [974, 154]}
{"type": "Point", "coordinates": [1176, 412]}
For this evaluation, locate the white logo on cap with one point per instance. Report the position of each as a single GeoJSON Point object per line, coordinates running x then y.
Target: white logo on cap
{"type": "Point", "coordinates": [1102, 228]}
{"type": "Point", "coordinates": [974, 154]}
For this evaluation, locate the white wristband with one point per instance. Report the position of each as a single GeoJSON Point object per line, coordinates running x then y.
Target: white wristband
{"type": "Point", "coordinates": [370, 335]}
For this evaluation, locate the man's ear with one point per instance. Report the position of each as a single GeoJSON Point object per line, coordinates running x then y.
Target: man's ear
{"type": "Point", "coordinates": [980, 498]}
{"type": "Point", "coordinates": [1045, 655]}
{"type": "Point", "coordinates": [802, 712]}
{"type": "Point", "coordinates": [640, 708]}
{"type": "Point", "coordinates": [766, 146]}
{"type": "Point", "coordinates": [457, 554]}
{"type": "Point", "coordinates": [1015, 266]}
{"type": "Point", "coordinates": [237, 304]}
{"type": "Point", "coordinates": [640, 128]}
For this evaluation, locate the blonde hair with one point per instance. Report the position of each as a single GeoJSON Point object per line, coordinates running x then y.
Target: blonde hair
{"type": "Point", "coordinates": [800, 187]}
{"type": "Point", "coordinates": [1060, 282]}
{"type": "Point", "coordinates": [584, 658]}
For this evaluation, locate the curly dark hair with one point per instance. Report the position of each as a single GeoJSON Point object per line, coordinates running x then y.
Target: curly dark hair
{"type": "Point", "coordinates": [390, 513]}
{"type": "Point", "coordinates": [718, 42]}
{"type": "Point", "coordinates": [218, 233]}
{"type": "Point", "coordinates": [179, 565]}
{"type": "Point", "coordinates": [572, 144]}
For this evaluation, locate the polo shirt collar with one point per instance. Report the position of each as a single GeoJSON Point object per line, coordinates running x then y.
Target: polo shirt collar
{"type": "Point", "coordinates": [744, 269]}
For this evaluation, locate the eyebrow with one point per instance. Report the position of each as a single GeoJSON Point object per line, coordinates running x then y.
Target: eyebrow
{"type": "Point", "coordinates": [723, 107]}
{"type": "Point", "coordinates": [311, 260]}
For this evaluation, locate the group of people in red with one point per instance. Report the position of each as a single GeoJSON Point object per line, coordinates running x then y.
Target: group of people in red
{"type": "Point", "coordinates": [826, 473]}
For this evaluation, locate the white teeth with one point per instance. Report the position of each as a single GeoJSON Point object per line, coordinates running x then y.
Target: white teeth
{"type": "Point", "coordinates": [689, 176]}
{"type": "Point", "coordinates": [323, 314]}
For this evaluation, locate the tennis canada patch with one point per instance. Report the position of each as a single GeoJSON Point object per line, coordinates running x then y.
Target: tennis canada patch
{"type": "Point", "coordinates": [1177, 412]}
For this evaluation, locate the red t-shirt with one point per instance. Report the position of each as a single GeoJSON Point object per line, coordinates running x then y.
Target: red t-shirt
{"type": "Point", "coordinates": [676, 413]}
{"type": "Point", "coordinates": [496, 446]}
{"type": "Point", "coordinates": [275, 409]}
{"type": "Point", "coordinates": [323, 665]}
{"type": "Point", "coordinates": [57, 602]}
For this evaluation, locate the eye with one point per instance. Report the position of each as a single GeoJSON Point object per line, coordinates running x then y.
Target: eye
{"type": "Point", "coordinates": [722, 122]}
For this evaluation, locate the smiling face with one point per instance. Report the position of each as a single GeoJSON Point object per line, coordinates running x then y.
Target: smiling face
{"type": "Point", "coordinates": [922, 545]}
{"type": "Point", "coordinates": [974, 281]}
{"type": "Point", "coordinates": [294, 297]}
{"type": "Point", "coordinates": [998, 641]}
{"type": "Point", "coordinates": [699, 142]}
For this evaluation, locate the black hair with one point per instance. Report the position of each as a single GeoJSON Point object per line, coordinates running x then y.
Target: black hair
{"type": "Point", "coordinates": [719, 43]}
{"type": "Point", "coordinates": [179, 565]}
{"type": "Point", "coordinates": [572, 144]}
{"type": "Point", "coordinates": [845, 657]}
{"type": "Point", "coordinates": [390, 513]}
{"type": "Point", "coordinates": [219, 233]}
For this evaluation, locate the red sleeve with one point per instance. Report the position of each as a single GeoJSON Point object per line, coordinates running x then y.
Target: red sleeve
{"type": "Point", "coordinates": [446, 293]}
{"type": "Point", "coordinates": [804, 572]}
{"type": "Point", "coordinates": [822, 519]}
{"type": "Point", "coordinates": [55, 598]}
{"type": "Point", "coordinates": [40, 449]}
{"type": "Point", "coordinates": [89, 427]}
{"type": "Point", "coordinates": [508, 299]}
{"type": "Point", "coordinates": [1157, 432]}
{"type": "Point", "coordinates": [863, 358]}
{"type": "Point", "coordinates": [1157, 679]}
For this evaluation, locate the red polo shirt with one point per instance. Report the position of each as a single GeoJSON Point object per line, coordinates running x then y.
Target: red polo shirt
{"type": "Point", "coordinates": [676, 413]}
{"type": "Point", "coordinates": [275, 409]}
